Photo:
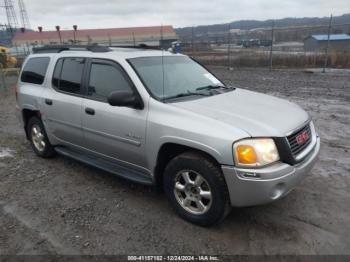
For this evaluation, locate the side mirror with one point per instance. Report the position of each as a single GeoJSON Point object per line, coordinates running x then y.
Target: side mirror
{"type": "Point", "coordinates": [124, 98]}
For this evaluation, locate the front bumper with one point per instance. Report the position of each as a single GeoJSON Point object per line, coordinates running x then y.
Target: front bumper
{"type": "Point", "coordinates": [249, 187]}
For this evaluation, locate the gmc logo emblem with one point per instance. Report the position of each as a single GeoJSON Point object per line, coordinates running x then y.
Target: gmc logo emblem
{"type": "Point", "coordinates": [302, 138]}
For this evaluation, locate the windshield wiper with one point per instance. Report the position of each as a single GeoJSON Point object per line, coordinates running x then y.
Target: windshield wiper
{"type": "Point", "coordinates": [211, 87]}
{"type": "Point", "coordinates": [188, 93]}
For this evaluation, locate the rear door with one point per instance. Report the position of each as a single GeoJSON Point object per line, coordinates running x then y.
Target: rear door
{"type": "Point", "coordinates": [63, 102]}
{"type": "Point", "coordinates": [117, 132]}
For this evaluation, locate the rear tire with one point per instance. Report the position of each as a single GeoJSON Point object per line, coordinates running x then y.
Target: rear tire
{"type": "Point", "coordinates": [196, 188]}
{"type": "Point", "coordinates": [38, 138]}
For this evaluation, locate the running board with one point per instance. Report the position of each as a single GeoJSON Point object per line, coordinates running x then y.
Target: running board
{"type": "Point", "coordinates": [106, 165]}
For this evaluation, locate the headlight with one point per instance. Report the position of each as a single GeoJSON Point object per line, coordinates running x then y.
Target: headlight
{"type": "Point", "coordinates": [255, 152]}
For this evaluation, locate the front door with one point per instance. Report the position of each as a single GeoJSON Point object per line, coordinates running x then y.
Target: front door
{"type": "Point", "coordinates": [116, 132]}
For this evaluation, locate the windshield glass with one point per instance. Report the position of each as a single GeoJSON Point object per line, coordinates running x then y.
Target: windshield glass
{"type": "Point", "coordinates": [169, 76]}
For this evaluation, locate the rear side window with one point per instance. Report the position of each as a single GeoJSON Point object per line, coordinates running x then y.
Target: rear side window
{"type": "Point", "coordinates": [34, 70]}
{"type": "Point", "coordinates": [106, 78]}
{"type": "Point", "coordinates": [68, 74]}
{"type": "Point", "coordinates": [57, 73]}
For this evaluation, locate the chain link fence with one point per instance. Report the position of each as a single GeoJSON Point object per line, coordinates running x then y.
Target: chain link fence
{"type": "Point", "coordinates": [274, 47]}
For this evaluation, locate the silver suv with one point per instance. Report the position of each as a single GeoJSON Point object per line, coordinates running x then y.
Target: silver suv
{"type": "Point", "coordinates": [161, 118]}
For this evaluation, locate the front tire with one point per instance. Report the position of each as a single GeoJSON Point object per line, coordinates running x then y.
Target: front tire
{"type": "Point", "coordinates": [38, 138]}
{"type": "Point", "coordinates": [196, 188]}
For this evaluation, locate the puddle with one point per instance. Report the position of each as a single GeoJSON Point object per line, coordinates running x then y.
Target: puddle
{"type": "Point", "coordinates": [6, 152]}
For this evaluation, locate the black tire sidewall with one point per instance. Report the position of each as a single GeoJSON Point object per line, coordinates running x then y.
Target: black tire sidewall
{"type": "Point", "coordinates": [212, 174]}
{"type": "Point", "coordinates": [48, 151]}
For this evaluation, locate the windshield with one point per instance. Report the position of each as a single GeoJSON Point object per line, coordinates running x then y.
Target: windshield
{"type": "Point", "coordinates": [172, 76]}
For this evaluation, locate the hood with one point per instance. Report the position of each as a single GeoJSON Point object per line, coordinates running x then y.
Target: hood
{"type": "Point", "coordinates": [255, 113]}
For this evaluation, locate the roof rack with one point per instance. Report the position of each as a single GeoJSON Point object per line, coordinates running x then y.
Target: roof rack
{"type": "Point", "coordinates": [139, 46]}
{"type": "Point", "coordinates": [60, 48]}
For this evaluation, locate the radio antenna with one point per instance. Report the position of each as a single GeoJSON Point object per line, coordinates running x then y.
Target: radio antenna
{"type": "Point", "coordinates": [162, 47]}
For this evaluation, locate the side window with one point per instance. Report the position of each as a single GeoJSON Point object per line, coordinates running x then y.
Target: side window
{"type": "Point", "coordinates": [106, 78]}
{"type": "Point", "coordinates": [68, 74]}
{"type": "Point", "coordinates": [34, 70]}
{"type": "Point", "coordinates": [57, 73]}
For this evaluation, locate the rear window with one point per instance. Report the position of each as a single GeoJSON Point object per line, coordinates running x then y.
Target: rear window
{"type": "Point", "coordinates": [34, 70]}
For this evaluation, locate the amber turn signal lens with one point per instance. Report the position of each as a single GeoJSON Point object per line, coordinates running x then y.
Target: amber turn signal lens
{"type": "Point", "coordinates": [246, 154]}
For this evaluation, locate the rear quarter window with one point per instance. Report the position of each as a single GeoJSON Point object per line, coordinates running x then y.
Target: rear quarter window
{"type": "Point", "coordinates": [34, 70]}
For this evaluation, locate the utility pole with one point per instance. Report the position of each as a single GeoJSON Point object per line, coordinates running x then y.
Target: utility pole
{"type": "Point", "coordinates": [109, 40]}
{"type": "Point", "coordinates": [229, 47]}
{"type": "Point", "coordinates": [133, 38]}
{"type": "Point", "coordinates": [40, 28]}
{"type": "Point", "coordinates": [327, 47]}
{"type": "Point", "coordinates": [59, 33]}
{"type": "Point", "coordinates": [271, 47]}
{"type": "Point", "coordinates": [2, 76]}
{"type": "Point", "coordinates": [161, 44]}
{"type": "Point", "coordinates": [75, 27]}
{"type": "Point", "coordinates": [192, 45]}
{"type": "Point", "coordinates": [208, 38]}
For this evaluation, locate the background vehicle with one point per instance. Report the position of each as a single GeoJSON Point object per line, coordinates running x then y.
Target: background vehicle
{"type": "Point", "coordinates": [6, 60]}
{"type": "Point", "coordinates": [160, 118]}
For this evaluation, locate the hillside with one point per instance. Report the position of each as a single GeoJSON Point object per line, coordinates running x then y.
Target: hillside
{"type": "Point", "coordinates": [251, 24]}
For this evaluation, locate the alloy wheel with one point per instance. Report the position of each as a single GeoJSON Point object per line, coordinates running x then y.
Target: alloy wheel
{"type": "Point", "coordinates": [38, 138]}
{"type": "Point", "coordinates": [192, 192]}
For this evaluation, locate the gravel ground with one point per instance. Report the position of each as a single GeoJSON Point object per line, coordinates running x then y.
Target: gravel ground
{"type": "Point", "coordinates": [60, 206]}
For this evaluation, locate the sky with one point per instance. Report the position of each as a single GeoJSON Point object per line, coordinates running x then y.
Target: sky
{"type": "Point", "coordinates": [179, 13]}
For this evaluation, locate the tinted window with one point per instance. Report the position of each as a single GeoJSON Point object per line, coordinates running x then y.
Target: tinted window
{"type": "Point", "coordinates": [34, 70]}
{"type": "Point", "coordinates": [57, 73]}
{"type": "Point", "coordinates": [71, 74]}
{"type": "Point", "coordinates": [106, 78]}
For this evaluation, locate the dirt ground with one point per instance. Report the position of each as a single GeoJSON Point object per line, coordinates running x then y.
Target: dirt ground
{"type": "Point", "coordinates": [60, 206]}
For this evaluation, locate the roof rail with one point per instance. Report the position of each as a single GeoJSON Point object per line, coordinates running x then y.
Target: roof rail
{"type": "Point", "coordinates": [60, 48]}
{"type": "Point", "coordinates": [139, 46]}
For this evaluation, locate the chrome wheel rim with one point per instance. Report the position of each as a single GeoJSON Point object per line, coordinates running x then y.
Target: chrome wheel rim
{"type": "Point", "coordinates": [192, 192]}
{"type": "Point", "coordinates": [38, 138]}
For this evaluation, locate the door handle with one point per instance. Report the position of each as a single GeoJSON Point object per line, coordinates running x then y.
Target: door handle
{"type": "Point", "coordinates": [48, 102]}
{"type": "Point", "coordinates": [89, 111]}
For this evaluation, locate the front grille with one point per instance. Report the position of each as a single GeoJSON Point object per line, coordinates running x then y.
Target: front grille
{"type": "Point", "coordinates": [296, 147]}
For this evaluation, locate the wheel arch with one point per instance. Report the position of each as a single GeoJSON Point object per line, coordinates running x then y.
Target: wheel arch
{"type": "Point", "coordinates": [168, 150]}
{"type": "Point", "coordinates": [26, 115]}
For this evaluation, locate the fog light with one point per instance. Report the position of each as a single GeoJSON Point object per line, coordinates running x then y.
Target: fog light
{"type": "Point", "coordinates": [278, 191]}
